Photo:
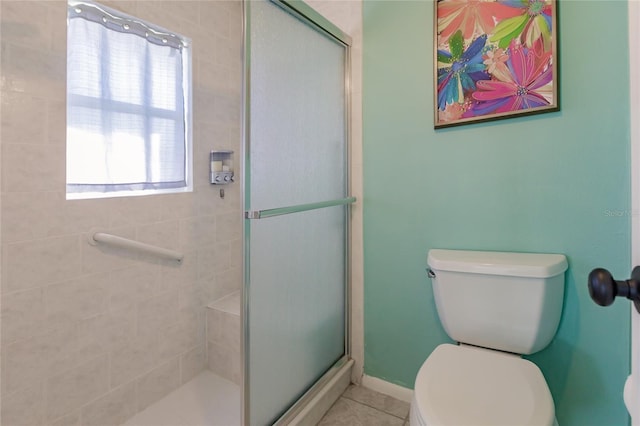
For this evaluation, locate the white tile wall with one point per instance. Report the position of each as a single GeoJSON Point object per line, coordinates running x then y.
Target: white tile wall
{"type": "Point", "coordinates": [92, 334]}
{"type": "Point", "coordinates": [157, 383]}
{"type": "Point", "coordinates": [191, 363]}
{"type": "Point", "coordinates": [76, 386]}
{"type": "Point", "coordinates": [223, 337]}
{"type": "Point", "coordinates": [24, 407]}
{"type": "Point", "coordinates": [111, 409]}
{"type": "Point", "coordinates": [224, 361]}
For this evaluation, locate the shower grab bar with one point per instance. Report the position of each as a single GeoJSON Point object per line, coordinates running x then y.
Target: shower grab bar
{"type": "Point", "coordinates": [262, 214]}
{"type": "Point", "coordinates": [114, 240]}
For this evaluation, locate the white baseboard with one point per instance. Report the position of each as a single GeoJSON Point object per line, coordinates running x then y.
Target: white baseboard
{"type": "Point", "coordinates": [387, 388]}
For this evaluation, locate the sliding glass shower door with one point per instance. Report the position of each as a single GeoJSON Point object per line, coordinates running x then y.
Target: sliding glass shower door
{"type": "Point", "coordinates": [296, 202]}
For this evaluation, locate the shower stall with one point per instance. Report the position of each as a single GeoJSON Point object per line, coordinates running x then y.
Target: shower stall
{"type": "Point", "coordinates": [243, 319]}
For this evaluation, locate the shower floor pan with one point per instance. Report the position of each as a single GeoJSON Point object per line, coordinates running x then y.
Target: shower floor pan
{"type": "Point", "coordinates": [206, 400]}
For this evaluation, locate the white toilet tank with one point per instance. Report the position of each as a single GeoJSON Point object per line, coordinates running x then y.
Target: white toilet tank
{"type": "Point", "coordinates": [506, 301]}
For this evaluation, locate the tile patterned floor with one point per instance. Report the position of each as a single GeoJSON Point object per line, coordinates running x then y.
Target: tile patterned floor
{"type": "Point", "coordinates": [359, 406]}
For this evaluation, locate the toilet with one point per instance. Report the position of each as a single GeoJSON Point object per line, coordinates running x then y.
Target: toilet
{"type": "Point", "coordinates": [497, 306]}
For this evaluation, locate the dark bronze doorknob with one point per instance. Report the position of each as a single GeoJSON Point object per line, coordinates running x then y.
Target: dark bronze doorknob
{"type": "Point", "coordinates": [603, 288]}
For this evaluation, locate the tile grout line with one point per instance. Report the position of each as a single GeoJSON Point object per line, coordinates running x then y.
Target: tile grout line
{"type": "Point", "coordinates": [375, 408]}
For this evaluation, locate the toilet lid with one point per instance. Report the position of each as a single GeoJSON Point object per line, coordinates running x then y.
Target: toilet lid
{"type": "Point", "coordinates": [464, 385]}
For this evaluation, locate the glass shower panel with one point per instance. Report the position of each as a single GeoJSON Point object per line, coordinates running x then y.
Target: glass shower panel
{"type": "Point", "coordinates": [296, 155]}
{"type": "Point", "coordinates": [296, 306]}
{"type": "Point", "coordinates": [297, 103]}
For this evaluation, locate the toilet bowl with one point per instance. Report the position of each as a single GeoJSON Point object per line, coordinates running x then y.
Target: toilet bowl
{"type": "Point", "coordinates": [466, 385]}
{"type": "Point", "coordinates": [497, 305]}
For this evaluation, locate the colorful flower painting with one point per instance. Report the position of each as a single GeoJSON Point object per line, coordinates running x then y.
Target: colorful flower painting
{"type": "Point", "coordinates": [494, 59]}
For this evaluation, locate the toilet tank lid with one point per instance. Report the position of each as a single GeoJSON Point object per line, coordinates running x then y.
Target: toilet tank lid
{"type": "Point", "coordinates": [533, 265]}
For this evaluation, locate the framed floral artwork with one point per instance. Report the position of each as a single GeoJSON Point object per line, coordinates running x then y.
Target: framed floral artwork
{"type": "Point", "coordinates": [494, 59]}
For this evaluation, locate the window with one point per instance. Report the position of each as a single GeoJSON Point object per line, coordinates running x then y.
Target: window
{"type": "Point", "coordinates": [128, 105]}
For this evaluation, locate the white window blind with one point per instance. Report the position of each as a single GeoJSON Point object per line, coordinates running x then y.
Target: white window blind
{"type": "Point", "coordinates": [128, 104]}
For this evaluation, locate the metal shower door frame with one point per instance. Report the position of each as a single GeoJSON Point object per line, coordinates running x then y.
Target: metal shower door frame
{"type": "Point", "coordinates": [303, 12]}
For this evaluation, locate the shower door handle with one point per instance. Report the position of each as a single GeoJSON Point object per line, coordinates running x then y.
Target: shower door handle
{"type": "Point", "coordinates": [263, 214]}
{"type": "Point", "coordinates": [603, 288]}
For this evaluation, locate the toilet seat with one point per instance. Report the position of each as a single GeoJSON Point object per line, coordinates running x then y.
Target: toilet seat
{"type": "Point", "coordinates": [466, 385]}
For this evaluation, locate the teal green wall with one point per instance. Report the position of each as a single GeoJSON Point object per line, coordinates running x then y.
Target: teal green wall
{"type": "Point", "coordinates": [556, 182]}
